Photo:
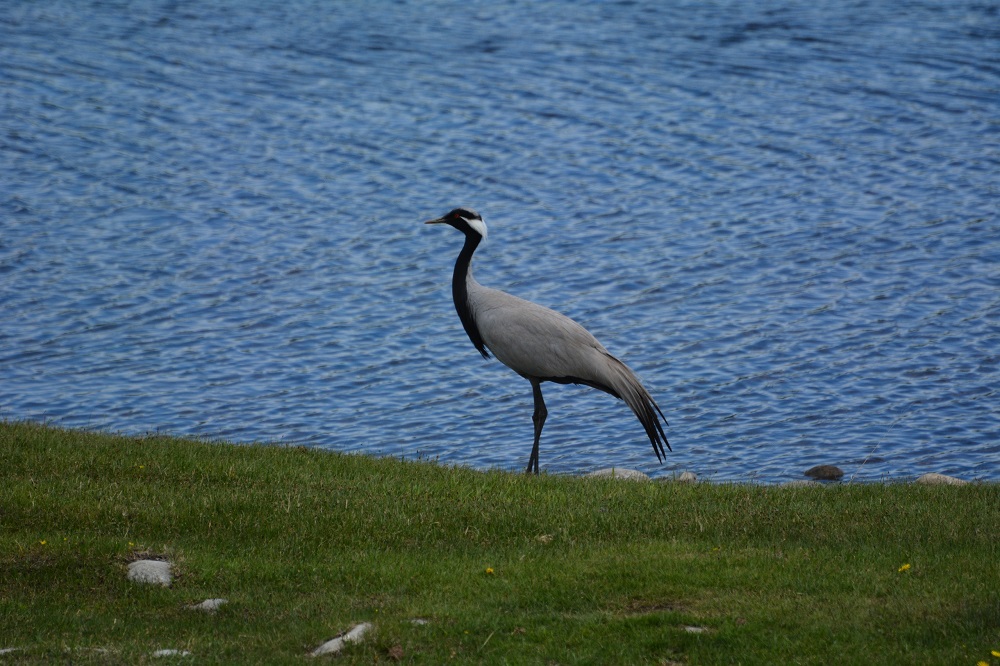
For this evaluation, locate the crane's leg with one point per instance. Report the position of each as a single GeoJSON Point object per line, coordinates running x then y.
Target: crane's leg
{"type": "Point", "coordinates": [538, 418]}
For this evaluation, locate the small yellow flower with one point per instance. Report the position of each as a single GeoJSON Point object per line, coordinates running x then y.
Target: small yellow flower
{"type": "Point", "coordinates": [43, 542]}
{"type": "Point", "coordinates": [489, 571]}
{"type": "Point", "coordinates": [981, 663]}
{"type": "Point", "coordinates": [995, 653]}
{"type": "Point", "coordinates": [905, 567]}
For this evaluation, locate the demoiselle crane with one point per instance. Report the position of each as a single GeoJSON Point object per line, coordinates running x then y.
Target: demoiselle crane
{"type": "Point", "coordinates": [540, 344]}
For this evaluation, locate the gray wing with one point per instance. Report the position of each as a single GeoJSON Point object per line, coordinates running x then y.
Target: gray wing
{"type": "Point", "coordinates": [540, 343]}
{"type": "Point", "coordinates": [535, 341]}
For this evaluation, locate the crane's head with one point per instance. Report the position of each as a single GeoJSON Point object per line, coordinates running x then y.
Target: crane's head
{"type": "Point", "coordinates": [466, 220]}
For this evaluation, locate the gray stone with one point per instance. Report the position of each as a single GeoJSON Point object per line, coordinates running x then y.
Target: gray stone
{"type": "Point", "coordinates": [687, 477]}
{"type": "Point", "coordinates": [825, 472]}
{"type": "Point", "coordinates": [171, 653]}
{"type": "Point", "coordinates": [933, 479]}
{"type": "Point", "coordinates": [209, 605]}
{"type": "Point", "coordinates": [154, 572]}
{"type": "Point", "coordinates": [355, 635]}
{"type": "Point", "coordinates": [618, 473]}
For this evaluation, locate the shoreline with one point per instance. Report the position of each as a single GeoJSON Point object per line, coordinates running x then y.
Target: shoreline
{"type": "Point", "coordinates": [818, 475]}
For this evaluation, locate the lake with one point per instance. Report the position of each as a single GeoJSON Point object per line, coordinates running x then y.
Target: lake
{"type": "Point", "coordinates": [784, 218]}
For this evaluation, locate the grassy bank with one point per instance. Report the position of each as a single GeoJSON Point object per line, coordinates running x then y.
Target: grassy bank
{"type": "Point", "coordinates": [506, 569]}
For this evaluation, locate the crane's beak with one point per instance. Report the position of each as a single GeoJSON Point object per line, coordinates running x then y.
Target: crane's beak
{"type": "Point", "coordinates": [439, 220]}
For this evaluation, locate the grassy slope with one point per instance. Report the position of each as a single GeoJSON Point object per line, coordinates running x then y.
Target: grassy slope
{"type": "Point", "coordinates": [305, 543]}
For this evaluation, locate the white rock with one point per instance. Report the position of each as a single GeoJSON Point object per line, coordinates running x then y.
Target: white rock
{"type": "Point", "coordinates": [337, 644]}
{"type": "Point", "coordinates": [171, 653]}
{"type": "Point", "coordinates": [932, 479]}
{"type": "Point", "coordinates": [695, 630]}
{"type": "Point", "coordinates": [8, 650]}
{"type": "Point", "coordinates": [154, 572]}
{"type": "Point", "coordinates": [209, 605]}
{"type": "Point", "coordinates": [687, 477]}
{"type": "Point", "coordinates": [419, 621]}
{"type": "Point", "coordinates": [618, 473]}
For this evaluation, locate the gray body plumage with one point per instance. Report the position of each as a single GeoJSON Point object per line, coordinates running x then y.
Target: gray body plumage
{"type": "Point", "coordinates": [533, 340]}
{"type": "Point", "coordinates": [540, 344]}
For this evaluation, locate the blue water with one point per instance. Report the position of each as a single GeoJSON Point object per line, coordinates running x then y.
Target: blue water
{"type": "Point", "coordinates": [784, 219]}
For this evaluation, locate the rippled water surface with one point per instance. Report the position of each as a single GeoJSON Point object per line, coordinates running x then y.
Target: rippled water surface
{"type": "Point", "coordinates": [785, 219]}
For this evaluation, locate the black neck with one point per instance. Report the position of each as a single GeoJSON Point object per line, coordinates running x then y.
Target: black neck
{"type": "Point", "coordinates": [460, 292]}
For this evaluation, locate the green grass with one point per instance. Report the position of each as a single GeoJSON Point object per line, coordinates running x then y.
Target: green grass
{"type": "Point", "coordinates": [306, 543]}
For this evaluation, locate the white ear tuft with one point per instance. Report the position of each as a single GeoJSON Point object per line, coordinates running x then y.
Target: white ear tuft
{"type": "Point", "coordinates": [479, 225]}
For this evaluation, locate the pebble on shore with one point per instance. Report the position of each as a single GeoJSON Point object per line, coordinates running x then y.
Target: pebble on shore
{"type": "Point", "coordinates": [154, 572]}
{"type": "Point", "coordinates": [618, 473]}
{"type": "Point", "coordinates": [171, 653]}
{"type": "Point", "coordinates": [825, 472]}
{"type": "Point", "coordinates": [209, 605]}
{"type": "Point", "coordinates": [355, 635]}
{"type": "Point", "coordinates": [934, 479]}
